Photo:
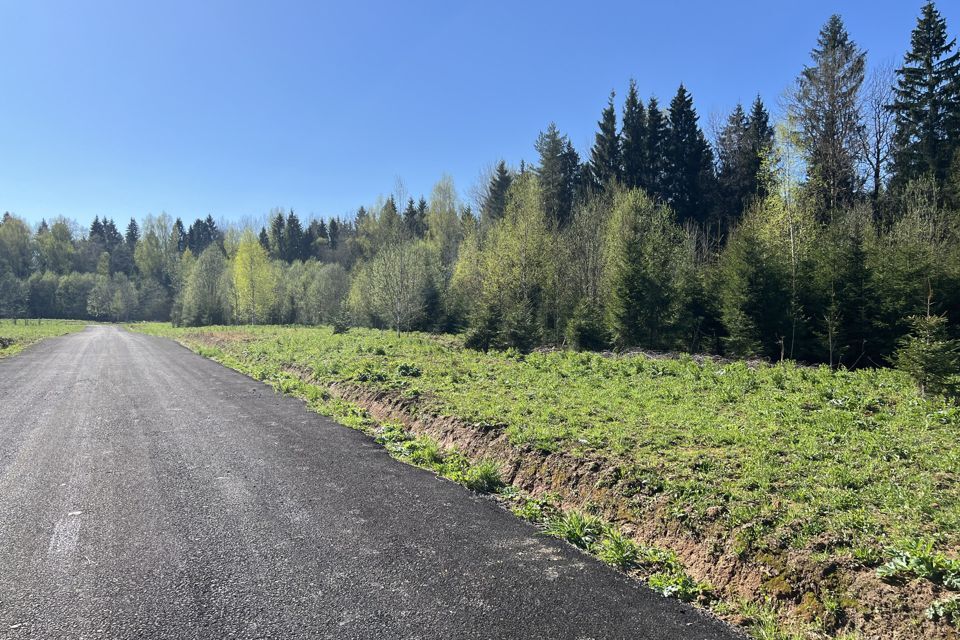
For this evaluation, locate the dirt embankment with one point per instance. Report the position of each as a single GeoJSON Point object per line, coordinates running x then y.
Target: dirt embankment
{"type": "Point", "coordinates": [841, 596]}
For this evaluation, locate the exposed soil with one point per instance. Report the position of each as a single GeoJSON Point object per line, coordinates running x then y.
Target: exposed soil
{"type": "Point", "coordinates": [792, 578]}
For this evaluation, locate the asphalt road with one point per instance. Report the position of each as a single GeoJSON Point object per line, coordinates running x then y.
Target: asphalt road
{"type": "Point", "coordinates": [146, 492]}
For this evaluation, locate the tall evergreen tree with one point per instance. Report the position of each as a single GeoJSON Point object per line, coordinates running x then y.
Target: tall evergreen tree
{"type": "Point", "coordinates": [690, 179]}
{"type": "Point", "coordinates": [559, 173]}
{"type": "Point", "coordinates": [495, 202]}
{"type": "Point", "coordinates": [633, 138]}
{"type": "Point", "coordinates": [410, 221]}
{"type": "Point", "coordinates": [294, 238]}
{"type": "Point", "coordinates": [133, 234]}
{"type": "Point", "coordinates": [111, 235]}
{"type": "Point", "coordinates": [927, 102]}
{"type": "Point", "coordinates": [760, 143]}
{"type": "Point", "coordinates": [96, 232]}
{"type": "Point", "coordinates": [742, 146]}
{"type": "Point", "coordinates": [178, 236]}
{"type": "Point", "coordinates": [333, 229]}
{"type": "Point", "coordinates": [827, 109]}
{"type": "Point", "coordinates": [735, 184]}
{"type": "Point", "coordinates": [654, 173]}
{"type": "Point", "coordinates": [278, 236]}
{"type": "Point", "coordinates": [605, 157]}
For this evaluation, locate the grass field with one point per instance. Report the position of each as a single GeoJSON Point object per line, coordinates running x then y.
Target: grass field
{"type": "Point", "coordinates": [854, 467]}
{"type": "Point", "coordinates": [16, 337]}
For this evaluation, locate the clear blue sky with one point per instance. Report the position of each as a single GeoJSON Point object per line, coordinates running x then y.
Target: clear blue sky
{"type": "Point", "coordinates": [230, 108]}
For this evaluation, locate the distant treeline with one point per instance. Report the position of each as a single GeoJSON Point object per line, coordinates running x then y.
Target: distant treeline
{"type": "Point", "coordinates": [815, 238]}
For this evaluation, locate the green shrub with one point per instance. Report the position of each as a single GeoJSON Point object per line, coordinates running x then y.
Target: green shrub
{"type": "Point", "coordinates": [585, 331]}
{"type": "Point", "coordinates": [929, 356]}
{"type": "Point", "coordinates": [484, 330]}
{"type": "Point", "coordinates": [341, 324]}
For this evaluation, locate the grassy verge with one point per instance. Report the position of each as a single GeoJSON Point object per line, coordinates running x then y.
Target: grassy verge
{"type": "Point", "coordinates": [809, 480]}
{"type": "Point", "coordinates": [14, 338]}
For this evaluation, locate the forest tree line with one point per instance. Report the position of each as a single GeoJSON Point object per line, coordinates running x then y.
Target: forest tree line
{"type": "Point", "coordinates": [816, 237]}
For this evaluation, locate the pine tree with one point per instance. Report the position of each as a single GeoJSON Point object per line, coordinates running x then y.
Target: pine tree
{"type": "Point", "coordinates": [390, 223]}
{"type": "Point", "coordinates": [293, 238]}
{"type": "Point", "coordinates": [333, 229]}
{"type": "Point", "coordinates": [495, 202]}
{"type": "Point", "coordinates": [826, 107]}
{"type": "Point", "coordinates": [754, 295]}
{"type": "Point", "coordinates": [690, 179]}
{"type": "Point", "coordinates": [213, 233]}
{"type": "Point", "coordinates": [643, 297]}
{"type": "Point", "coordinates": [559, 174]}
{"type": "Point", "coordinates": [929, 355]}
{"type": "Point", "coordinates": [605, 160]}
{"type": "Point", "coordinates": [633, 138]}
{"type": "Point", "coordinates": [133, 234]}
{"type": "Point", "coordinates": [735, 184]}
{"type": "Point", "coordinates": [111, 235]}
{"type": "Point", "coordinates": [654, 174]}
{"type": "Point", "coordinates": [926, 103]}
{"type": "Point", "coordinates": [96, 231]}
{"type": "Point", "coordinates": [410, 221]}
{"type": "Point", "coordinates": [760, 136]}
{"type": "Point", "coordinates": [742, 146]}
{"type": "Point", "coordinates": [178, 237]}
{"type": "Point", "coordinates": [278, 236]}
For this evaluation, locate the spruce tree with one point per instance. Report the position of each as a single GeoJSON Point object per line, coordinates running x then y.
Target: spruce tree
{"type": "Point", "coordinates": [930, 356]}
{"type": "Point", "coordinates": [654, 172]}
{"type": "Point", "coordinates": [178, 237]}
{"type": "Point", "coordinates": [827, 110]}
{"type": "Point", "coordinates": [735, 183]}
{"type": "Point", "coordinates": [410, 218]}
{"type": "Point", "coordinates": [495, 202]}
{"type": "Point", "coordinates": [133, 234]}
{"type": "Point", "coordinates": [633, 138]}
{"type": "Point", "coordinates": [559, 172]}
{"type": "Point", "coordinates": [333, 229]}
{"type": "Point", "coordinates": [111, 235]}
{"type": "Point", "coordinates": [278, 236]}
{"type": "Point", "coordinates": [96, 231]}
{"type": "Point", "coordinates": [690, 179]}
{"type": "Point", "coordinates": [605, 161]}
{"type": "Point", "coordinates": [742, 147]}
{"type": "Point", "coordinates": [760, 136]}
{"type": "Point", "coordinates": [293, 240]}
{"type": "Point", "coordinates": [926, 103]}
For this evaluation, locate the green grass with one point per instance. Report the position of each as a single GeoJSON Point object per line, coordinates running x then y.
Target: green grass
{"type": "Point", "coordinates": [16, 337]}
{"type": "Point", "coordinates": [853, 466]}
{"type": "Point", "coordinates": [780, 455]}
{"type": "Point", "coordinates": [484, 477]}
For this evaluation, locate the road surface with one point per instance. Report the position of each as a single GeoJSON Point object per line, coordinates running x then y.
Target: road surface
{"type": "Point", "coordinates": [146, 492]}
